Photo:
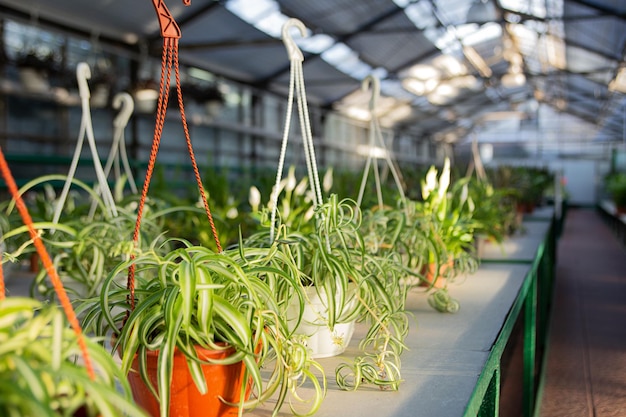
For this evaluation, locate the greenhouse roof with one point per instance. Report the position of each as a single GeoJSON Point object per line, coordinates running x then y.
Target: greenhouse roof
{"type": "Point", "coordinates": [445, 66]}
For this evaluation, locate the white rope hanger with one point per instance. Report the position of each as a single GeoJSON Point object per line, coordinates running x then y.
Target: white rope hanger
{"type": "Point", "coordinates": [297, 88]}
{"type": "Point", "coordinates": [83, 73]}
{"type": "Point", "coordinates": [376, 140]}
{"type": "Point", "coordinates": [124, 102]}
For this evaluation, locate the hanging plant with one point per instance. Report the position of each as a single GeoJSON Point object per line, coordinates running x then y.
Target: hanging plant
{"type": "Point", "coordinates": [191, 299]}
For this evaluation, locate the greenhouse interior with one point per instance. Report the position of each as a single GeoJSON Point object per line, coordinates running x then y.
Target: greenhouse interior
{"type": "Point", "coordinates": [294, 208]}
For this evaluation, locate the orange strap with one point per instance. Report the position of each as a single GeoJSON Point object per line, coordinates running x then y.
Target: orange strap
{"type": "Point", "coordinates": [169, 59]}
{"type": "Point", "coordinates": [47, 263]}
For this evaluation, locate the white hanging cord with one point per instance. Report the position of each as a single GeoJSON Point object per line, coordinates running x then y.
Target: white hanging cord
{"type": "Point", "coordinates": [124, 102]}
{"type": "Point", "coordinates": [478, 162]}
{"type": "Point", "coordinates": [392, 167]}
{"type": "Point", "coordinates": [375, 135]}
{"type": "Point", "coordinates": [366, 171]}
{"type": "Point", "coordinates": [307, 136]}
{"type": "Point", "coordinates": [83, 73]}
{"type": "Point", "coordinates": [296, 84]}
{"type": "Point", "coordinates": [281, 158]}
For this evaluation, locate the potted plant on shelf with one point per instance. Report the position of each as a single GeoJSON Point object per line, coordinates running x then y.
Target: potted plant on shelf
{"type": "Point", "coordinates": [39, 372]}
{"type": "Point", "coordinates": [445, 216]}
{"type": "Point", "coordinates": [616, 187]}
{"type": "Point", "coordinates": [495, 216]}
{"type": "Point", "coordinates": [199, 314]}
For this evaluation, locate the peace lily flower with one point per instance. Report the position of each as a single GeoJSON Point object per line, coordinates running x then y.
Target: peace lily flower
{"type": "Point", "coordinates": [464, 194]}
{"type": "Point", "coordinates": [309, 214]}
{"type": "Point", "coordinates": [291, 180]}
{"type": "Point", "coordinates": [254, 198]}
{"type": "Point", "coordinates": [444, 180]}
{"type": "Point", "coordinates": [430, 184]}
{"type": "Point", "coordinates": [327, 182]}
{"type": "Point", "coordinates": [301, 187]}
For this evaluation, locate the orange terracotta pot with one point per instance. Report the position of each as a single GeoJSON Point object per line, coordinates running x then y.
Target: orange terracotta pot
{"type": "Point", "coordinates": [185, 400]}
{"type": "Point", "coordinates": [429, 270]}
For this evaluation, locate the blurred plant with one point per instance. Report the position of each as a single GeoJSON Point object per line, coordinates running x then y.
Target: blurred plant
{"type": "Point", "coordinates": [39, 373]}
{"type": "Point", "coordinates": [616, 186]}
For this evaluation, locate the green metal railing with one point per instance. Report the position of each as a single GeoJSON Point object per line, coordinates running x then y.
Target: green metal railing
{"type": "Point", "coordinates": [534, 299]}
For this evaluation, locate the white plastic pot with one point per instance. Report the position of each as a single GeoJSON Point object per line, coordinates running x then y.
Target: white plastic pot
{"type": "Point", "coordinates": [322, 341]}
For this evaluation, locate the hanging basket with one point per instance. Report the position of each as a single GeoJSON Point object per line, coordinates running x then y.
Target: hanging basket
{"type": "Point", "coordinates": [224, 384]}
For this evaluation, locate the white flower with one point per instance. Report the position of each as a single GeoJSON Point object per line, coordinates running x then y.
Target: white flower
{"type": "Point", "coordinates": [274, 197]}
{"type": "Point", "coordinates": [254, 198]}
{"type": "Point", "coordinates": [430, 184]}
{"type": "Point", "coordinates": [232, 213]}
{"type": "Point", "coordinates": [327, 183]}
{"type": "Point", "coordinates": [444, 179]}
{"type": "Point", "coordinates": [291, 179]}
{"type": "Point", "coordinates": [309, 214]}
{"type": "Point", "coordinates": [464, 194]}
{"type": "Point", "coordinates": [301, 187]}
{"type": "Point", "coordinates": [309, 196]}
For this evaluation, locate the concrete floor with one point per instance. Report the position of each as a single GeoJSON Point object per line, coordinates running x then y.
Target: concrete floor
{"type": "Point", "coordinates": [586, 357]}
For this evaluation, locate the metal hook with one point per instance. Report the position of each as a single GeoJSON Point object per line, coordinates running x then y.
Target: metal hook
{"type": "Point", "coordinates": [125, 103]}
{"type": "Point", "coordinates": [83, 73]}
{"type": "Point", "coordinates": [292, 49]}
{"type": "Point", "coordinates": [375, 82]}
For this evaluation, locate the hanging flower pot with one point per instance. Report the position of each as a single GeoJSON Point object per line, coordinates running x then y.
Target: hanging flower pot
{"type": "Point", "coordinates": [224, 384]}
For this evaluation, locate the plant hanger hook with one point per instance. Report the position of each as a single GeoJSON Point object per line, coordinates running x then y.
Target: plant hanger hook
{"type": "Point", "coordinates": [294, 52]}
{"type": "Point", "coordinates": [375, 83]}
{"type": "Point", "coordinates": [169, 27]}
{"type": "Point", "coordinates": [83, 73]}
{"type": "Point", "coordinates": [124, 102]}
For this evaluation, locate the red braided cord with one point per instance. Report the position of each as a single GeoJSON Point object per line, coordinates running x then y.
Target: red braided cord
{"type": "Point", "coordinates": [168, 59]}
{"type": "Point", "coordinates": [166, 71]}
{"type": "Point", "coordinates": [191, 153]}
{"type": "Point", "coordinates": [47, 263]}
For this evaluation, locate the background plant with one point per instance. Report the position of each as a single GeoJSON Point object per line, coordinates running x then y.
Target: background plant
{"type": "Point", "coordinates": [83, 246]}
{"type": "Point", "coordinates": [39, 371]}
{"type": "Point", "coordinates": [616, 187]}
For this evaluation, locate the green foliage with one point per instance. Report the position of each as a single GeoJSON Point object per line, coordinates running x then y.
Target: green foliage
{"type": "Point", "coordinates": [39, 374]}
{"type": "Point", "coordinates": [529, 182]}
{"type": "Point", "coordinates": [83, 247]}
{"type": "Point", "coordinates": [447, 215]}
{"type": "Point", "coordinates": [495, 213]}
{"type": "Point", "coordinates": [194, 296]}
{"type": "Point", "coordinates": [616, 187]}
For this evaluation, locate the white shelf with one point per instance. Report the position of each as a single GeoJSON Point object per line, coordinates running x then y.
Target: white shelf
{"type": "Point", "coordinates": [446, 355]}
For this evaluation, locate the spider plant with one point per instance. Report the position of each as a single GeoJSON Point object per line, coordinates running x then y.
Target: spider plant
{"type": "Point", "coordinates": [355, 285]}
{"type": "Point", "coordinates": [83, 247]}
{"type": "Point", "coordinates": [39, 371]}
{"type": "Point", "coordinates": [193, 297]}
